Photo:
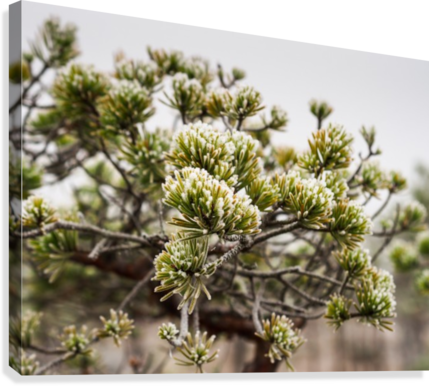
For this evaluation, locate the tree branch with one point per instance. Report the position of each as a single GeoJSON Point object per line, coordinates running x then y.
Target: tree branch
{"type": "Point", "coordinates": [155, 240]}
{"type": "Point", "coordinates": [136, 290]}
{"type": "Point", "coordinates": [55, 362]}
{"type": "Point", "coordinates": [255, 309]}
{"type": "Point", "coordinates": [275, 232]}
{"type": "Point", "coordinates": [376, 214]}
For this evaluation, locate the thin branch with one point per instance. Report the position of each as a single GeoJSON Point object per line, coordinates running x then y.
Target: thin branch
{"type": "Point", "coordinates": [295, 315]}
{"type": "Point", "coordinates": [184, 325]}
{"type": "Point", "coordinates": [275, 223]}
{"type": "Point", "coordinates": [239, 123]}
{"type": "Point", "coordinates": [316, 252]}
{"type": "Point", "coordinates": [344, 284]}
{"type": "Point", "coordinates": [222, 80]}
{"type": "Point", "coordinates": [244, 242]}
{"type": "Point", "coordinates": [63, 358]}
{"type": "Point", "coordinates": [120, 248]}
{"type": "Point", "coordinates": [46, 351]}
{"type": "Point", "coordinates": [389, 196]}
{"type": "Point", "coordinates": [230, 281]}
{"type": "Point", "coordinates": [25, 91]}
{"type": "Point", "coordinates": [86, 228]}
{"type": "Point", "coordinates": [267, 301]}
{"type": "Point", "coordinates": [196, 318]}
{"type": "Point", "coordinates": [354, 175]}
{"type": "Point", "coordinates": [255, 309]}
{"type": "Point", "coordinates": [310, 241]}
{"type": "Point", "coordinates": [362, 161]}
{"type": "Point", "coordinates": [388, 240]}
{"type": "Point", "coordinates": [226, 123]}
{"type": "Point", "coordinates": [133, 293]}
{"type": "Point", "coordinates": [319, 123]}
{"type": "Point", "coordinates": [257, 130]}
{"type": "Point", "coordinates": [275, 232]}
{"type": "Point", "coordinates": [301, 293]}
{"type": "Point", "coordinates": [265, 275]}
{"type": "Point", "coordinates": [41, 107]}
{"type": "Point", "coordinates": [161, 217]}
{"type": "Point", "coordinates": [367, 200]}
{"type": "Point", "coordinates": [97, 249]}
{"type": "Point", "coordinates": [119, 169]}
{"type": "Point", "coordinates": [55, 362]}
{"type": "Point", "coordinates": [130, 215]}
{"type": "Point", "coordinates": [97, 178]}
{"type": "Point", "coordinates": [390, 233]}
{"type": "Point", "coordinates": [297, 270]}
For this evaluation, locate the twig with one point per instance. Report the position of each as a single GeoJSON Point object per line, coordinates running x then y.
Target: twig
{"type": "Point", "coordinates": [275, 232]}
{"type": "Point", "coordinates": [85, 228]}
{"type": "Point", "coordinates": [161, 218]}
{"type": "Point", "coordinates": [344, 284]}
{"type": "Point", "coordinates": [120, 248]}
{"type": "Point", "coordinates": [362, 161]}
{"type": "Point", "coordinates": [267, 301]}
{"type": "Point", "coordinates": [244, 242]}
{"type": "Point", "coordinates": [388, 240]}
{"type": "Point", "coordinates": [55, 362]}
{"type": "Point", "coordinates": [257, 130]}
{"type": "Point", "coordinates": [97, 178]}
{"type": "Point", "coordinates": [382, 206]}
{"type": "Point", "coordinates": [41, 107]}
{"type": "Point", "coordinates": [316, 252]}
{"type": "Point", "coordinates": [182, 114]}
{"type": "Point", "coordinates": [265, 275]}
{"type": "Point", "coordinates": [132, 294]}
{"type": "Point", "coordinates": [255, 309]}
{"type": "Point", "coordinates": [240, 121]}
{"type": "Point", "coordinates": [97, 249]}
{"type": "Point", "coordinates": [295, 315]}
{"type": "Point", "coordinates": [46, 351]}
{"type": "Point", "coordinates": [25, 91]}
{"type": "Point", "coordinates": [130, 215]}
{"type": "Point", "coordinates": [227, 125]}
{"type": "Point", "coordinates": [301, 293]}
{"type": "Point", "coordinates": [230, 281]}
{"type": "Point", "coordinates": [319, 123]}
{"type": "Point", "coordinates": [297, 270]}
{"type": "Point", "coordinates": [354, 175]}
{"type": "Point", "coordinates": [196, 318]}
{"type": "Point", "coordinates": [184, 325]}
{"type": "Point", "coordinates": [282, 222]}
{"type": "Point", "coordinates": [221, 79]}
{"type": "Point", "coordinates": [61, 359]}
{"type": "Point", "coordinates": [119, 169]}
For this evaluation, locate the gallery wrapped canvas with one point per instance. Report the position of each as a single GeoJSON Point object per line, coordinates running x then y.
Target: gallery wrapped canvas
{"type": "Point", "coordinates": [191, 200]}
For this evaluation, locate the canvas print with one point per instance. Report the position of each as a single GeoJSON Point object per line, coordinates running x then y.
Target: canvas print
{"type": "Point", "coordinates": [186, 200]}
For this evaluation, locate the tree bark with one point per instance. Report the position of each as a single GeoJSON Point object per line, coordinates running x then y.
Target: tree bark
{"type": "Point", "coordinates": [261, 363]}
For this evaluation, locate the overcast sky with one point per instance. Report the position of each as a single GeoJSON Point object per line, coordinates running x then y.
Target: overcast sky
{"type": "Point", "coordinates": [365, 89]}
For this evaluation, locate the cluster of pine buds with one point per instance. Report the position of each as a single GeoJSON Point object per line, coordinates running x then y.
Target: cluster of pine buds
{"type": "Point", "coordinates": [179, 269]}
{"type": "Point", "coordinates": [208, 205]}
{"type": "Point", "coordinates": [284, 338]}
